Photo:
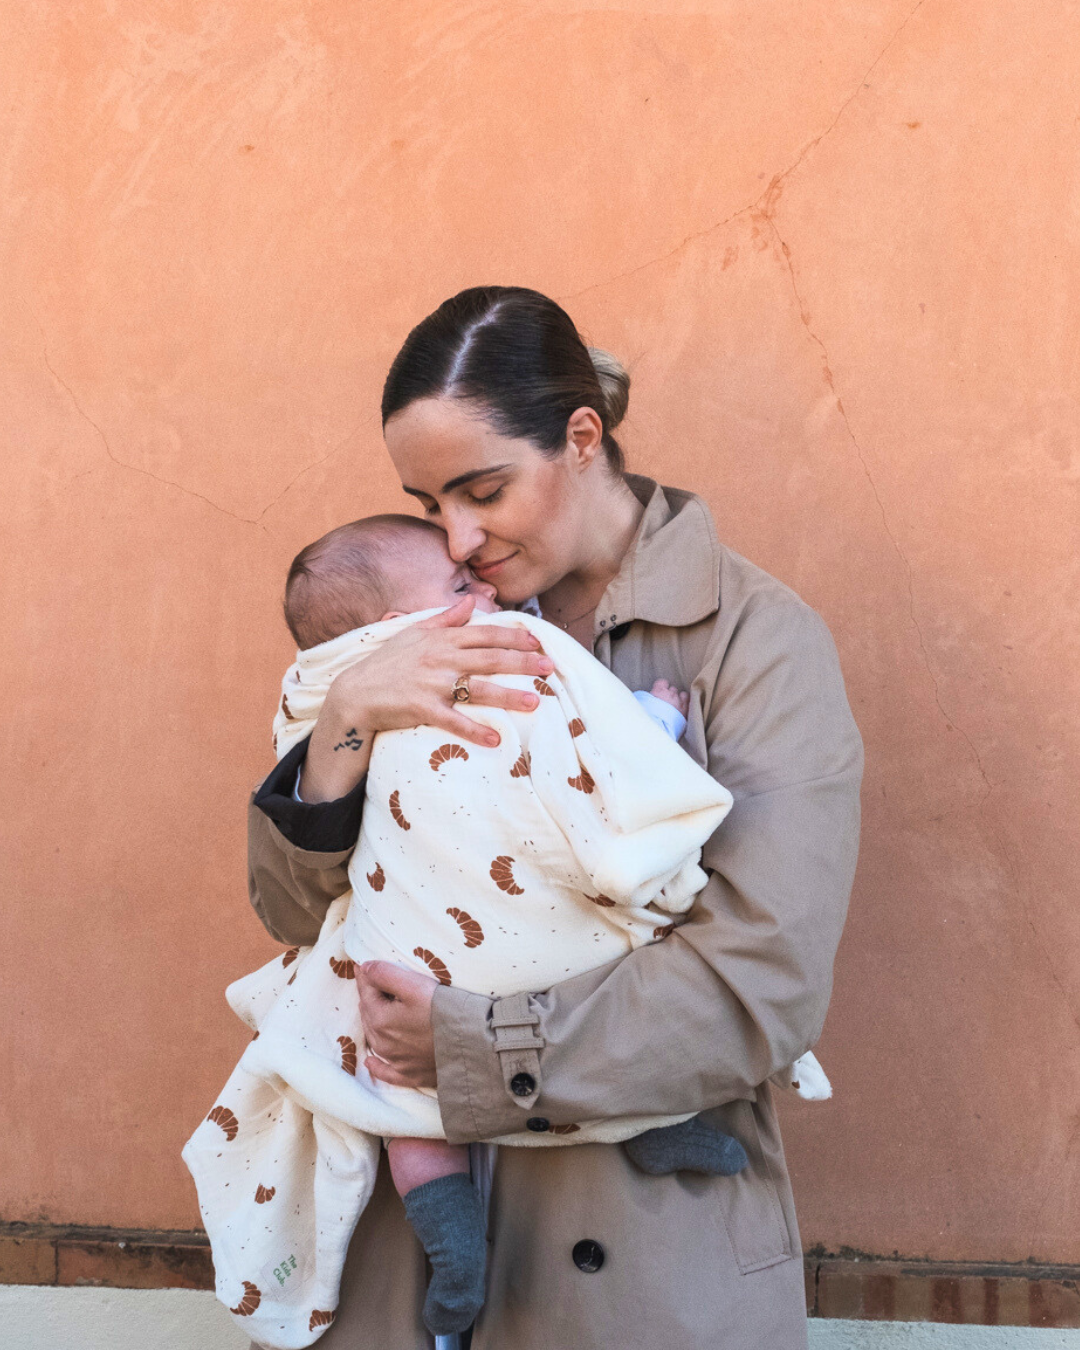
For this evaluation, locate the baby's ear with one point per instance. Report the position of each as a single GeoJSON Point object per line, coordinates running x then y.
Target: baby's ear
{"type": "Point", "coordinates": [392, 614]}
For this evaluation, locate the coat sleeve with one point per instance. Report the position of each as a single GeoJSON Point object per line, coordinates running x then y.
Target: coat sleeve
{"type": "Point", "coordinates": [741, 989]}
{"type": "Point", "coordinates": [298, 853]}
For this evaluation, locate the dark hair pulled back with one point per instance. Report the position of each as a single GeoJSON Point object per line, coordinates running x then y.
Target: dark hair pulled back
{"type": "Point", "coordinates": [517, 355]}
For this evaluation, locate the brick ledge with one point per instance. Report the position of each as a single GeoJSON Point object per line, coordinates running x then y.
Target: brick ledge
{"type": "Point", "coordinates": [865, 1288]}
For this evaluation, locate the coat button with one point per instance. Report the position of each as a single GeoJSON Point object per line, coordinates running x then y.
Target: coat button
{"type": "Point", "coordinates": [538, 1124]}
{"type": "Point", "coordinates": [523, 1085]}
{"type": "Point", "coordinates": [588, 1255]}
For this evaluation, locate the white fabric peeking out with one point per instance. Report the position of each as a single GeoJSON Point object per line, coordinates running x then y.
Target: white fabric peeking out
{"type": "Point", "coordinates": [499, 870]}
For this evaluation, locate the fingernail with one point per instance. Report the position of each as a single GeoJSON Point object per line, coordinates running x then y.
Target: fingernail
{"type": "Point", "coordinates": [493, 740]}
{"type": "Point", "coordinates": [547, 665]}
{"type": "Point", "coordinates": [531, 700]}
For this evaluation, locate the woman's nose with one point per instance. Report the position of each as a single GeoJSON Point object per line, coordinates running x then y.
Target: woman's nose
{"type": "Point", "coordinates": [463, 538]}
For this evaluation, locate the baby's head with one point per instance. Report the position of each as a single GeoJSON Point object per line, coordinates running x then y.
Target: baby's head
{"type": "Point", "coordinates": [374, 569]}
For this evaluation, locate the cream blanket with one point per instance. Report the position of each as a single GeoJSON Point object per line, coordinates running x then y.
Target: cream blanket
{"type": "Point", "coordinates": [498, 870]}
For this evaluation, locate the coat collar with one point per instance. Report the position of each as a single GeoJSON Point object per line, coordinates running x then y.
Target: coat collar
{"type": "Point", "coordinates": [671, 572]}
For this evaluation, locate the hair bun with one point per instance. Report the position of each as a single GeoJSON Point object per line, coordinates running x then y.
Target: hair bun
{"type": "Point", "coordinates": [614, 384]}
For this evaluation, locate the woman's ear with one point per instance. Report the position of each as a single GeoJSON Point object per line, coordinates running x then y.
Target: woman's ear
{"type": "Point", "coordinates": [584, 436]}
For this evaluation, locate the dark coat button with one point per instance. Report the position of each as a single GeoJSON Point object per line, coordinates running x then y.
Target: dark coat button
{"type": "Point", "coordinates": [620, 630]}
{"type": "Point", "coordinates": [588, 1255]}
{"type": "Point", "coordinates": [523, 1085]}
{"type": "Point", "coordinates": [538, 1124]}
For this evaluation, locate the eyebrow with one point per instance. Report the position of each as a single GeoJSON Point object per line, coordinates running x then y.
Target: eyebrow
{"type": "Point", "coordinates": [459, 481]}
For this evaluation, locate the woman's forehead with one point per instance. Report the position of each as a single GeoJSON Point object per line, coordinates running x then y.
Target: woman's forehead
{"type": "Point", "coordinates": [435, 440]}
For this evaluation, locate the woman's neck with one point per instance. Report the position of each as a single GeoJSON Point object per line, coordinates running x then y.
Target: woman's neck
{"type": "Point", "coordinates": [610, 522]}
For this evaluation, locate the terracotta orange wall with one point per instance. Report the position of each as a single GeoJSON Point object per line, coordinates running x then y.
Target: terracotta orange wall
{"type": "Point", "coordinates": [835, 243]}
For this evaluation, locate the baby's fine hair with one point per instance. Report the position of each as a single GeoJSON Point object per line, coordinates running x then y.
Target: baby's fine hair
{"type": "Point", "coordinates": [340, 582]}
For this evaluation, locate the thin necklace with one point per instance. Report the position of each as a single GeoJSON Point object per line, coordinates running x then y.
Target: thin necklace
{"type": "Point", "coordinates": [566, 626]}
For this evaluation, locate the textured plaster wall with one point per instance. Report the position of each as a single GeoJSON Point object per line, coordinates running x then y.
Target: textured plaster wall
{"type": "Point", "coordinates": [837, 244]}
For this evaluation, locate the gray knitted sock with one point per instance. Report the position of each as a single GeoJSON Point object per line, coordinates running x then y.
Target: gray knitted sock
{"type": "Point", "coordinates": [448, 1217]}
{"type": "Point", "coordinates": [692, 1146]}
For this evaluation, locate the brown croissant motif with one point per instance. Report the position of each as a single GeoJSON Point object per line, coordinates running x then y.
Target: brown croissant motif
{"type": "Point", "coordinates": [542, 687]}
{"type": "Point", "coordinates": [583, 782]}
{"type": "Point", "coordinates": [221, 1115]}
{"type": "Point", "coordinates": [376, 879]}
{"type": "Point", "coordinates": [251, 1300]}
{"type": "Point", "coordinates": [396, 812]}
{"type": "Point", "coordinates": [286, 709]}
{"type": "Point", "coordinates": [447, 752]}
{"type": "Point", "coordinates": [265, 1193]}
{"type": "Point", "coordinates": [437, 967]}
{"type": "Point", "coordinates": [287, 958]}
{"type": "Point", "coordinates": [577, 726]}
{"type": "Point", "coordinates": [348, 1054]}
{"type": "Point", "coordinates": [522, 765]}
{"type": "Point", "coordinates": [470, 929]}
{"type": "Point", "coordinates": [320, 1319]}
{"type": "Point", "coordinates": [502, 874]}
{"type": "Point", "coordinates": [603, 901]}
{"type": "Point", "coordinates": [660, 933]}
{"type": "Point", "coordinates": [344, 970]}
{"type": "Point", "coordinates": [565, 1129]}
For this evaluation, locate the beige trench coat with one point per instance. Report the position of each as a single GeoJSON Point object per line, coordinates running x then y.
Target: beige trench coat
{"type": "Point", "coordinates": [695, 1023]}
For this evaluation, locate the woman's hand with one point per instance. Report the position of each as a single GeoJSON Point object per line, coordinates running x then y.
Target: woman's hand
{"type": "Point", "coordinates": [395, 1008]}
{"type": "Point", "coordinates": [407, 683]}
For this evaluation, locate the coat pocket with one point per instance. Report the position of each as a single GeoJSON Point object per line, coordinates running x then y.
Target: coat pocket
{"type": "Point", "coordinates": [748, 1204]}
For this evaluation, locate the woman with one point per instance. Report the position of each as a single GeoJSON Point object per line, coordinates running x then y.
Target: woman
{"type": "Point", "coordinates": [499, 421]}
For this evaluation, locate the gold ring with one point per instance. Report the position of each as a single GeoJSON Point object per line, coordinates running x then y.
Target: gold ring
{"type": "Point", "coordinates": [460, 692]}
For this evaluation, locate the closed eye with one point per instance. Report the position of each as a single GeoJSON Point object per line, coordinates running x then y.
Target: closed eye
{"type": "Point", "coordinates": [491, 497]}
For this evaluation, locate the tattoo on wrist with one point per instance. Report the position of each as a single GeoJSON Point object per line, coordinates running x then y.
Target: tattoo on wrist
{"type": "Point", "coordinates": [351, 742]}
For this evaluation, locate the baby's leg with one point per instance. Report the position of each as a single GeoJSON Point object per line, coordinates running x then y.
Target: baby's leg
{"type": "Point", "coordinates": [446, 1214]}
{"type": "Point", "coordinates": [691, 1146]}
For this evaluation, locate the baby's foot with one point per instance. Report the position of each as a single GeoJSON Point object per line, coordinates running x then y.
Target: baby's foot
{"type": "Point", "coordinates": [691, 1146]}
{"type": "Point", "coordinates": [678, 698]}
{"type": "Point", "coordinates": [448, 1217]}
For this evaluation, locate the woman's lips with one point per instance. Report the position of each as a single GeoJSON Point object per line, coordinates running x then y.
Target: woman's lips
{"type": "Point", "coordinates": [486, 570]}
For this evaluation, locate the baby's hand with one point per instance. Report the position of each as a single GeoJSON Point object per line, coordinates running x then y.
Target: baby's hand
{"type": "Point", "coordinates": [676, 697]}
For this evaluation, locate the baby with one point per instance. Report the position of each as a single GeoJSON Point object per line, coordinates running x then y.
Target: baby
{"type": "Point", "coordinates": [378, 569]}
{"type": "Point", "coordinates": [502, 870]}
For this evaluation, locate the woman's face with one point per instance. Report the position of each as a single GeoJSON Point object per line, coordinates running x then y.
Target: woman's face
{"type": "Point", "coordinates": [513, 515]}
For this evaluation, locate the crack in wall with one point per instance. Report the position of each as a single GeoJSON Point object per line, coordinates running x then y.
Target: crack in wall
{"type": "Point", "coordinates": [775, 183]}
{"type": "Point", "coordinates": [168, 482]}
{"type": "Point", "coordinates": [950, 722]}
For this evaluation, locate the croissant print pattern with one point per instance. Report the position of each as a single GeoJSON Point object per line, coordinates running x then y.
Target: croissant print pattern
{"type": "Point", "coordinates": [344, 970]}
{"type": "Point", "coordinates": [221, 1115]}
{"type": "Point", "coordinates": [376, 879]}
{"type": "Point", "coordinates": [251, 1300]}
{"type": "Point", "coordinates": [543, 688]}
{"type": "Point", "coordinates": [660, 933]}
{"type": "Point", "coordinates": [502, 874]}
{"type": "Point", "coordinates": [286, 709]}
{"type": "Point", "coordinates": [437, 967]}
{"type": "Point", "coordinates": [583, 782]}
{"type": "Point", "coordinates": [319, 1318]}
{"type": "Point", "coordinates": [604, 901]}
{"type": "Point", "coordinates": [348, 1054]}
{"type": "Point", "coordinates": [264, 1194]}
{"type": "Point", "coordinates": [577, 726]}
{"type": "Point", "coordinates": [396, 811]}
{"type": "Point", "coordinates": [565, 1129]}
{"type": "Point", "coordinates": [287, 958]}
{"type": "Point", "coordinates": [522, 765]}
{"type": "Point", "coordinates": [446, 753]}
{"type": "Point", "coordinates": [470, 929]}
